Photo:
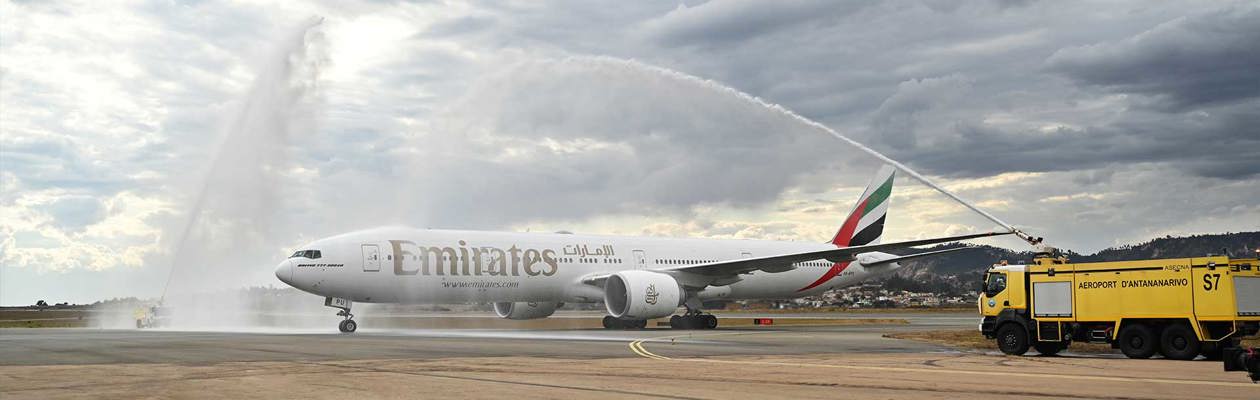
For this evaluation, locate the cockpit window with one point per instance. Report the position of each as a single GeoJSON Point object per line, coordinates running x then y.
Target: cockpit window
{"type": "Point", "coordinates": [311, 254]}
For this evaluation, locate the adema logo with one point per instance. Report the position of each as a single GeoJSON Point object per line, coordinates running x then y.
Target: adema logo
{"type": "Point", "coordinates": [651, 294]}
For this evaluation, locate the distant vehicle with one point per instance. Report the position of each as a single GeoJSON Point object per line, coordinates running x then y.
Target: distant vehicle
{"type": "Point", "coordinates": [150, 317]}
{"type": "Point", "coordinates": [1180, 308]}
{"type": "Point", "coordinates": [528, 275]}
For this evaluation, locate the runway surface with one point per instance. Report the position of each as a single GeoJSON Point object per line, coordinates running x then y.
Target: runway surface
{"type": "Point", "coordinates": [777, 362]}
{"type": "Point", "coordinates": [87, 346]}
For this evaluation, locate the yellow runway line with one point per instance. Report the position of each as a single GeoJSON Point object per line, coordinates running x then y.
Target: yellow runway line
{"type": "Point", "coordinates": [637, 348]}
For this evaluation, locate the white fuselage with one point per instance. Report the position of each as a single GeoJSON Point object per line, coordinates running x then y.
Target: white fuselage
{"type": "Point", "coordinates": [400, 265]}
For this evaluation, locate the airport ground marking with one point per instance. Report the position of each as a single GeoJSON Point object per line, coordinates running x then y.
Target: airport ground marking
{"type": "Point", "coordinates": [638, 348]}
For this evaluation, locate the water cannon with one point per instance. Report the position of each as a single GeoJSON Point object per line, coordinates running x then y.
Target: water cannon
{"type": "Point", "coordinates": [1026, 237]}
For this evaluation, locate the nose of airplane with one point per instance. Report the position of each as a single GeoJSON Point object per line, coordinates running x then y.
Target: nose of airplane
{"type": "Point", "coordinates": [284, 272]}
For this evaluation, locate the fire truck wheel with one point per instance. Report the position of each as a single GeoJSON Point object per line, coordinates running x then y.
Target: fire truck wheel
{"type": "Point", "coordinates": [1012, 339]}
{"type": "Point", "coordinates": [1178, 342]}
{"type": "Point", "coordinates": [1049, 348]}
{"type": "Point", "coordinates": [1137, 341]}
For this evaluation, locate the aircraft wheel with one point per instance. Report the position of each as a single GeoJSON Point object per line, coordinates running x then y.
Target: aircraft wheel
{"type": "Point", "coordinates": [611, 322]}
{"type": "Point", "coordinates": [710, 321]}
{"type": "Point", "coordinates": [347, 326]}
{"type": "Point", "coordinates": [1178, 342]}
{"type": "Point", "coordinates": [676, 322]}
{"type": "Point", "coordinates": [1137, 341]}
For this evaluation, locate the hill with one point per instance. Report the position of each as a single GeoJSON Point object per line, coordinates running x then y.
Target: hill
{"type": "Point", "coordinates": [959, 272]}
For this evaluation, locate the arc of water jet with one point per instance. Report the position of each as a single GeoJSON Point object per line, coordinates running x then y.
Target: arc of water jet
{"type": "Point", "coordinates": [809, 122]}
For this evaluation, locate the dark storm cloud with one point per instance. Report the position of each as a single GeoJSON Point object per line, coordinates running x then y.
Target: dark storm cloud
{"type": "Point", "coordinates": [1220, 147]}
{"type": "Point", "coordinates": [579, 137]}
{"type": "Point", "coordinates": [1188, 62]}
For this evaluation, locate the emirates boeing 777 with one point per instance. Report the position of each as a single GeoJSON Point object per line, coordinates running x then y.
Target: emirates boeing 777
{"type": "Point", "coordinates": [529, 275]}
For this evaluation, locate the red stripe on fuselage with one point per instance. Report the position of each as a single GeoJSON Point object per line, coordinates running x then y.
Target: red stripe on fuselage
{"type": "Point", "coordinates": [836, 269]}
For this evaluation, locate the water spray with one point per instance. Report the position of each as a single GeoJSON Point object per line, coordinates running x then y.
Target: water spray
{"type": "Point", "coordinates": [1028, 238]}
{"type": "Point", "coordinates": [811, 123]}
{"type": "Point", "coordinates": [265, 110]}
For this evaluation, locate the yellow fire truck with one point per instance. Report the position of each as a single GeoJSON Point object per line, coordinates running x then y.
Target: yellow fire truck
{"type": "Point", "coordinates": [1180, 308]}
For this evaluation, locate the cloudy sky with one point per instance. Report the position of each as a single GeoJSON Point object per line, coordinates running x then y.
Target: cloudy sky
{"type": "Point", "coordinates": [218, 136]}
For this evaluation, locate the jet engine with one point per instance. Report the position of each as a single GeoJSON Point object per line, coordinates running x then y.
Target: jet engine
{"type": "Point", "coordinates": [524, 310]}
{"type": "Point", "coordinates": [642, 295]}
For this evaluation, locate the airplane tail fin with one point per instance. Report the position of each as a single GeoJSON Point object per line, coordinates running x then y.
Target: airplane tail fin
{"type": "Point", "coordinates": [865, 224]}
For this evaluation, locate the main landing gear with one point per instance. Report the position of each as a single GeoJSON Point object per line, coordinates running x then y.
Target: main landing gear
{"type": "Point", "coordinates": [686, 321]}
{"type": "Point", "coordinates": [611, 322]}
{"type": "Point", "coordinates": [693, 319]}
{"type": "Point", "coordinates": [347, 325]}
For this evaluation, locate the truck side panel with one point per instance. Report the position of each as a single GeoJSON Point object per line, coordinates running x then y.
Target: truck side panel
{"type": "Point", "coordinates": [1137, 289]}
{"type": "Point", "coordinates": [1097, 296]}
{"type": "Point", "coordinates": [1213, 289]}
{"type": "Point", "coordinates": [1020, 281]}
{"type": "Point", "coordinates": [1247, 294]}
{"type": "Point", "coordinates": [1052, 299]}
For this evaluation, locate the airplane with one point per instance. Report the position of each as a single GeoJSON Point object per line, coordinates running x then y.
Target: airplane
{"type": "Point", "coordinates": [529, 275]}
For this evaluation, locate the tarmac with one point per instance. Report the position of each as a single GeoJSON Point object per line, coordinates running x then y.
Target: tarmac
{"type": "Point", "coordinates": [789, 361]}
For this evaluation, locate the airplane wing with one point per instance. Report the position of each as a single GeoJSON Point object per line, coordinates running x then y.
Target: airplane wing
{"type": "Point", "coordinates": [700, 275]}
{"type": "Point", "coordinates": [914, 256]}
{"type": "Point", "coordinates": [784, 262]}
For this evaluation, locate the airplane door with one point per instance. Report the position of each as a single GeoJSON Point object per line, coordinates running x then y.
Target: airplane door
{"type": "Point", "coordinates": [371, 257]}
{"type": "Point", "coordinates": [640, 260]}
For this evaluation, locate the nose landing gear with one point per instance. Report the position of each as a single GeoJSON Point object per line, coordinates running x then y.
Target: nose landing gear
{"type": "Point", "coordinates": [347, 325]}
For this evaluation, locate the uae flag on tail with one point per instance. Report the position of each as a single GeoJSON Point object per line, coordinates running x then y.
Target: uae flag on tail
{"type": "Point", "coordinates": [865, 223]}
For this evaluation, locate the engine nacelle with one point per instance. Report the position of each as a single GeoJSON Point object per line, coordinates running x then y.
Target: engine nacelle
{"type": "Point", "coordinates": [642, 295]}
{"type": "Point", "coordinates": [525, 310]}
